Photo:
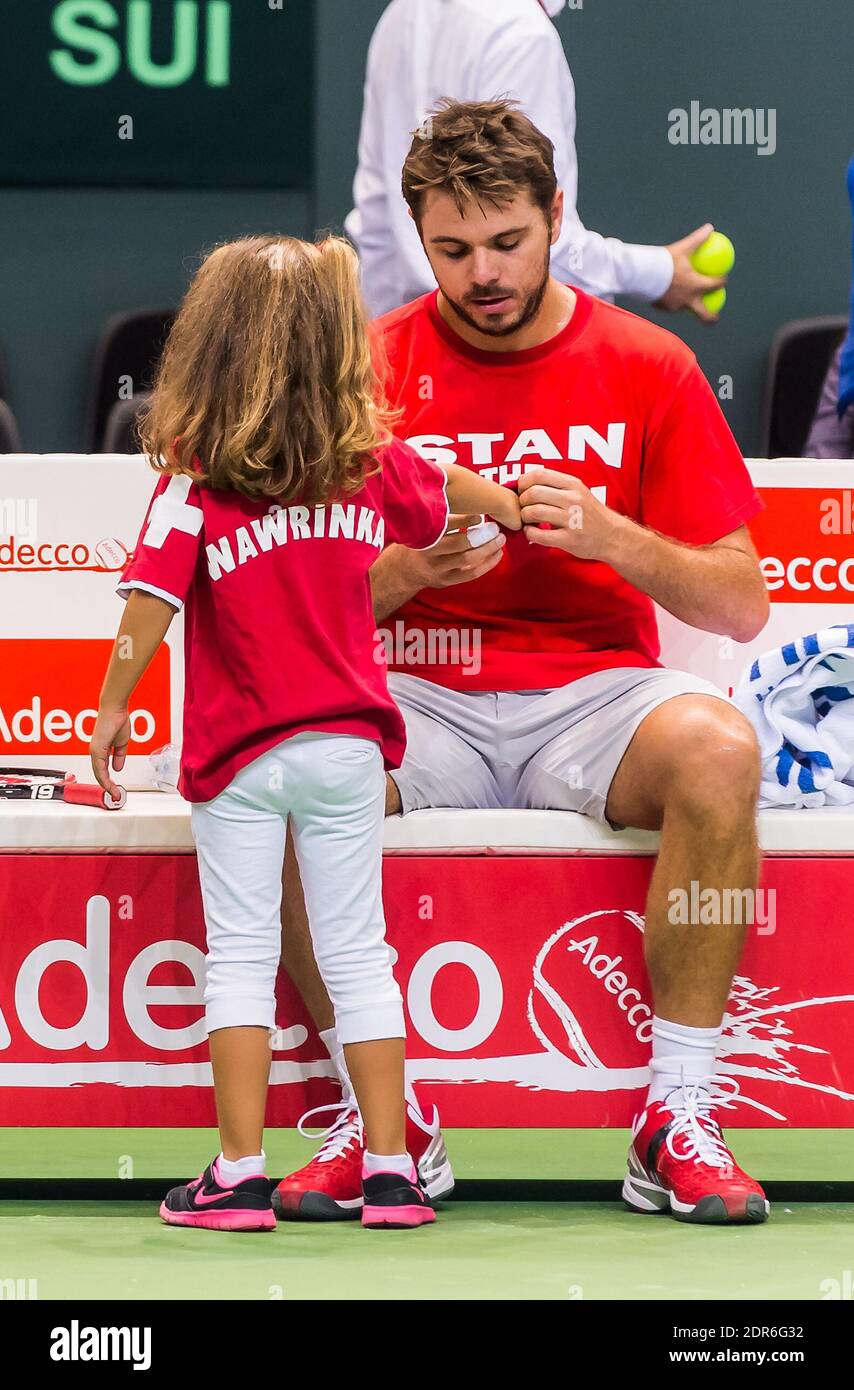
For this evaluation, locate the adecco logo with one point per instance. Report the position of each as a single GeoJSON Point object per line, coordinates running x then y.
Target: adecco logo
{"type": "Point", "coordinates": [111, 997]}
{"type": "Point", "coordinates": [49, 697]}
{"type": "Point", "coordinates": [804, 539]}
{"type": "Point", "coordinates": [588, 1001]}
{"type": "Point", "coordinates": [803, 579]}
{"type": "Point", "coordinates": [92, 959]}
{"type": "Point", "coordinates": [120, 1004]}
{"type": "Point", "coordinates": [109, 556]}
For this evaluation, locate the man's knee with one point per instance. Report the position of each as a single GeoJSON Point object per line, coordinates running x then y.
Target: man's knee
{"type": "Point", "coordinates": [713, 764]}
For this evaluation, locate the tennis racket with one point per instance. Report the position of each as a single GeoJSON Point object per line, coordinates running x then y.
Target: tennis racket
{"type": "Point", "coordinates": [46, 784]}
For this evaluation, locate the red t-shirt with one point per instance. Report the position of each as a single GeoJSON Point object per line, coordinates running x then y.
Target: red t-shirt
{"type": "Point", "coordinates": [279, 634]}
{"type": "Point", "coordinates": [616, 401]}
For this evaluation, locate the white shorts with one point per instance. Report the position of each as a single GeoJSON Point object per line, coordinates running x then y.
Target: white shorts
{"type": "Point", "coordinates": [333, 789]}
{"type": "Point", "coordinates": [545, 749]}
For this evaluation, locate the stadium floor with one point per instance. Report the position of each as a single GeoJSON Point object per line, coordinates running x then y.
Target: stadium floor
{"type": "Point", "coordinates": [551, 1250]}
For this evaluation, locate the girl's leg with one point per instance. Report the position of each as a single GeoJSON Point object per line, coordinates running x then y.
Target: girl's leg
{"type": "Point", "coordinates": [337, 825]}
{"type": "Point", "coordinates": [240, 1058]}
{"type": "Point", "coordinates": [240, 842]}
{"type": "Point", "coordinates": [376, 1071]}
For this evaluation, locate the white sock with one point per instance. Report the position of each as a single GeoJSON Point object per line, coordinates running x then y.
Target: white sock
{"type": "Point", "coordinates": [233, 1170]}
{"type": "Point", "coordinates": [329, 1038]}
{"type": "Point", "coordinates": [387, 1163]}
{"type": "Point", "coordinates": [411, 1098]}
{"type": "Point", "coordinates": [679, 1051]}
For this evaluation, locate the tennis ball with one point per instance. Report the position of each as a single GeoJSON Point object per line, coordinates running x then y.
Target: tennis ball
{"type": "Point", "coordinates": [715, 300]}
{"type": "Point", "coordinates": [716, 256]}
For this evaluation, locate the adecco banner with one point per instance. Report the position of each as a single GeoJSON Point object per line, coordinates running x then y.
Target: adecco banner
{"type": "Point", "coordinates": [805, 541]}
{"type": "Point", "coordinates": [527, 999]}
{"type": "Point", "coordinates": [67, 525]}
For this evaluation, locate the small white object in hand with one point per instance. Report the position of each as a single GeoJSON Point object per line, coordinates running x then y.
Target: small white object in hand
{"type": "Point", "coordinates": [481, 534]}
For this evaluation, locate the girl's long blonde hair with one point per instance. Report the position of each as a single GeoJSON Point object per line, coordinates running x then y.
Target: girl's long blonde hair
{"type": "Point", "coordinates": [267, 377]}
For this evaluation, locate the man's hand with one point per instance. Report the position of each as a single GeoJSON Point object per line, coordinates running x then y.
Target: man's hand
{"type": "Point", "coordinates": [399, 573]}
{"type": "Point", "coordinates": [688, 285]}
{"type": "Point", "coordinates": [453, 560]}
{"type": "Point", "coordinates": [577, 521]}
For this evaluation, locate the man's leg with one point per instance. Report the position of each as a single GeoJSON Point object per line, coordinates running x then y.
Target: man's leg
{"type": "Point", "coordinates": [651, 749]}
{"type": "Point", "coordinates": [692, 771]}
{"type": "Point", "coordinates": [660, 750]}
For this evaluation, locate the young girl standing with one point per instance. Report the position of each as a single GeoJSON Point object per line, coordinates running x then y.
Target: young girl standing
{"type": "Point", "coordinates": [280, 483]}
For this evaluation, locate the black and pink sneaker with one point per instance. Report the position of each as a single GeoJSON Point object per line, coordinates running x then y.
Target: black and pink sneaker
{"type": "Point", "coordinates": [208, 1203]}
{"type": "Point", "coordinates": [392, 1200]}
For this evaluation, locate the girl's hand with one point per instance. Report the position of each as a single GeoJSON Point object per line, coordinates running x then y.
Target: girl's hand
{"type": "Point", "coordinates": [507, 509]}
{"type": "Point", "coordinates": [111, 736]}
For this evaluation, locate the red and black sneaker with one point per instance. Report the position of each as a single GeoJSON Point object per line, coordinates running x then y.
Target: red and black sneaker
{"type": "Point", "coordinates": [395, 1202]}
{"type": "Point", "coordinates": [679, 1162]}
{"type": "Point", "coordinates": [217, 1206]}
{"type": "Point", "coordinates": [329, 1188]}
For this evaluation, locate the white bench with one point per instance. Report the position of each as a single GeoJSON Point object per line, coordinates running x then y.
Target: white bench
{"type": "Point", "coordinates": [160, 821]}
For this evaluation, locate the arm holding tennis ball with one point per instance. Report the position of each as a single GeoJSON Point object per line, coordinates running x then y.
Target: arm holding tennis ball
{"type": "Point", "coordinates": [702, 262]}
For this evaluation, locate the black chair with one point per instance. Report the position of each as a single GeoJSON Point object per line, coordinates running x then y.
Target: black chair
{"type": "Point", "coordinates": [797, 365]}
{"type": "Point", "coordinates": [10, 438]}
{"type": "Point", "coordinates": [120, 431]}
{"type": "Point", "coordinates": [129, 347]}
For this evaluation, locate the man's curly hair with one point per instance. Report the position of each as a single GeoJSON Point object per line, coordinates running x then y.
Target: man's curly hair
{"type": "Point", "coordinates": [481, 152]}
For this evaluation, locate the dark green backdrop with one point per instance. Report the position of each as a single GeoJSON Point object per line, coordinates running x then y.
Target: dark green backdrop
{"type": "Point", "coordinates": [70, 257]}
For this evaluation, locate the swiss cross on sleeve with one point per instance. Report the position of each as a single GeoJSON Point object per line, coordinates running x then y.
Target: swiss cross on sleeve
{"type": "Point", "coordinates": [172, 511]}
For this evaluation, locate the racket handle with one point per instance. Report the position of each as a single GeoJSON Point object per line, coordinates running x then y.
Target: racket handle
{"type": "Point", "coordinates": [92, 795]}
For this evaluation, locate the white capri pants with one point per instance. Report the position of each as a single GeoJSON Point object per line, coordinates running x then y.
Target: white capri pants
{"type": "Point", "coordinates": [333, 788]}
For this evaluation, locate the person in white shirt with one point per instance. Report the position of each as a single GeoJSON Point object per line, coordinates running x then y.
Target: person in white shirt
{"type": "Point", "coordinates": [475, 50]}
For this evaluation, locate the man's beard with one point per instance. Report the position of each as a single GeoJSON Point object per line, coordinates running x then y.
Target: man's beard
{"type": "Point", "coordinates": [530, 309]}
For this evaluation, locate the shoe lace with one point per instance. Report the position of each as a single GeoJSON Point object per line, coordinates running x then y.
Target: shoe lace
{"type": "Point", "coordinates": [338, 1136]}
{"type": "Point", "coordinates": [693, 1105]}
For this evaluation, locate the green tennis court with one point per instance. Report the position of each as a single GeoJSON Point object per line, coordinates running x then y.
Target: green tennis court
{"type": "Point", "coordinates": [478, 1249]}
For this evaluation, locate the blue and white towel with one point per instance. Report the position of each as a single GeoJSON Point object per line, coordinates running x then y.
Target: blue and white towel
{"type": "Point", "coordinates": [800, 700]}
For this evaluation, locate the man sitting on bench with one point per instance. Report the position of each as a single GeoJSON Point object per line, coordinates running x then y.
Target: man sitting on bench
{"type": "Point", "coordinates": [634, 491]}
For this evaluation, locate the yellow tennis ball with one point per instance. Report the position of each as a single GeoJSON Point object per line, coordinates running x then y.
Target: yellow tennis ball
{"type": "Point", "coordinates": [716, 256]}
{"type": "Point", "coordinates": [715, 300]}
